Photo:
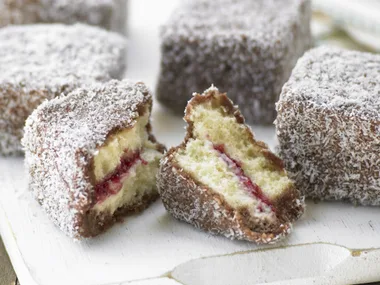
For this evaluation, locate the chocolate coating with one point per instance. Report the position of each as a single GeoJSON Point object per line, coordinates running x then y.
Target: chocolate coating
{"type": "Point", "coordinates": [246, 48]}
{"type": "Point", "coordinates": [109, 14]}
{"type": "Point", "coordinates": [328, 125]}
{"type": "Point", "coordinates": [40, 62]}
{"type": "Point", "coordinates": [190, 201]}
{"type": "Point", "coordinates": [62, 136]}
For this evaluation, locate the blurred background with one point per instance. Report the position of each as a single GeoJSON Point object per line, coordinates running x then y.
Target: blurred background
{"type": "Point", "coordinates": [352, 24]}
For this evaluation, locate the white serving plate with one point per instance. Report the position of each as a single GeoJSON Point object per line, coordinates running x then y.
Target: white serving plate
{"type": "Point", "coordinates": [333, 243]}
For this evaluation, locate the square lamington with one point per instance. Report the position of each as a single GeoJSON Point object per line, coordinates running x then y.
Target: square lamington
{"type": "Point", "coordinates": [246, 48]}
{"type": "Point", "coordinates": [328, 125]}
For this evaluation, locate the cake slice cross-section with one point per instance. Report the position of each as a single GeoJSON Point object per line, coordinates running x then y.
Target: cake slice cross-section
{"type": "Point", "coordinates": [91, 156]}
{"type": "Point", "coordinates": [222, 180]}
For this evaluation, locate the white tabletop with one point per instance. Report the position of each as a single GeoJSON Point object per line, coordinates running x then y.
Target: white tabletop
{"type": "Point", "coordinates": [333, 243]}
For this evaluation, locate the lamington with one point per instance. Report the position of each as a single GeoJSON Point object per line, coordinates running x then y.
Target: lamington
{"type": "Point", "coordinates": [109, 14]}
{"type": "Point", "coordinates": [91, 156]}
{"type": "Point", "coordinates": [222, 180]}
{"type": "Point", "coordinates": [328, 125]}
{"type": "Point", "coordinates": [247, 48]}
{"type": "Point", "coordinates": [39, 62]}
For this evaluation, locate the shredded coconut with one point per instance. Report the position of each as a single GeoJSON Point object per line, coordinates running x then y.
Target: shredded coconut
{"type": "Point", "coordinates": [328, 125]}
{"type": "Point", "coordinates": [190, 200]}
{"type": "Point", "coordinates": [104, 13]}
{"type": "Point", "coordinates": [61, 137]}
{"type": "Point", "coordinates": [40, 62]}
{"type": "Point", "coordinates": [247, 48]}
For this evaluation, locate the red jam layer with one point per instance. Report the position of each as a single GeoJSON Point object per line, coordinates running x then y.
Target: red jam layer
{"type": "Point", "coordinates": [251, 187]}
{"type": "Point", "coordinates": [113, 182]}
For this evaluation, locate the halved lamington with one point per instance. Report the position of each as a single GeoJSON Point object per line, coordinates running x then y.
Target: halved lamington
{"type": "Point", "coordinates": [91, 156]}
{"type": "Point", "coordinates": [222, 180]}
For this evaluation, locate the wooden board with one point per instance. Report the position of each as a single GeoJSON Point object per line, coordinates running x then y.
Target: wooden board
{"type": "Point", "coordinates": [334, 243]}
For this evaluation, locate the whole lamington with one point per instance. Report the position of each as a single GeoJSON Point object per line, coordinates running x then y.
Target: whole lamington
{"type": "Point", "coordinates": [109, 14]}
{"type": "Point", "coordinates": [328, 125]}
{"type": "Point", "coordinates": [39, 62]}
{"type": "Point", "coordinates": [91, 156]}
{"type": "Point", "coordinates": [247, 48]}
{"type": "Point", "coordinates": [222, 180]}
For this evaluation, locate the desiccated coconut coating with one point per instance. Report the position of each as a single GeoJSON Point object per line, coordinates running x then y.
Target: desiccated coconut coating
{"type": "Point", "coordinates": [40, 62]}
{"type": "Point", "coordinates": [206, 209]}
{"type": "Point", "coordinates": [246, 48]}
{"type": "Point", "coordinates": [109, 14]}
{"type": "Point", "coordinates": [189, 199]}
{"type": "Point", "coordinates": [61, 138]}
{"type": "Point", "coordinates": [328, 125]}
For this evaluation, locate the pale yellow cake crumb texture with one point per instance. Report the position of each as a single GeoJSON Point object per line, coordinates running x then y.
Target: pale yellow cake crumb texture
{"type": "Point", "coordinates": [132, 139]}
{"type": "Point", "coordinates": [215, 125]}
{"type": "Point", "coordinates": [201, 160]}
{"type": "Point", "coordinates": [141, 180]}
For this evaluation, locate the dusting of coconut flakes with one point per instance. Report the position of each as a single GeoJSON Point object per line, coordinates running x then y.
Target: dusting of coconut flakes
{"type": "Point", "coordinates": [102, 13]}
{"type": "Point", "coordinates": [39, 62]}
{"type": "Point", "coordinates": [194, 204]}
{"type": "Point", "coordinates": [61, 137]}
{"type": "Point", "coordinates": [203, 206]}
{"type": "Point", "coordinates": [246, 48]}
{"type": "Point", "coordinates": [328, 125]}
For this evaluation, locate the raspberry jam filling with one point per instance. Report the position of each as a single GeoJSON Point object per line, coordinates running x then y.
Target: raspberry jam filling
{"type": "Point", "coordinates": [237, 169]}
{"type": "Point", "coordinates": [113, 182]}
